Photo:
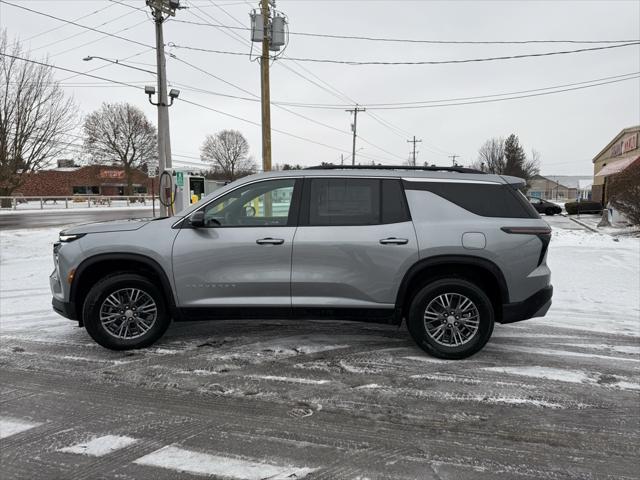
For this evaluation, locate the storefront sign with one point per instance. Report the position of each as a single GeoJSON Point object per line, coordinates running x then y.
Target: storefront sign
{"type": "Point", "coordinates": [630, 143]}
{"type": "Point", "coordinates": [111, 173]}
{"type": "Point", "coordinates": [625, 145]}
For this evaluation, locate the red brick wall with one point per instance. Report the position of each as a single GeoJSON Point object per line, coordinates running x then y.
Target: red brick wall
{"type": "Point", "coordinates": [61, 183]}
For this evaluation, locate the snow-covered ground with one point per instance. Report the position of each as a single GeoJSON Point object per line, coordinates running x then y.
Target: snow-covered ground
{"type": "Point", "coordinates": [596, 282]}
{"type": "Point", "coordinates": [331, 400]}
{"type": "Point", "coordinates": [74, 204]}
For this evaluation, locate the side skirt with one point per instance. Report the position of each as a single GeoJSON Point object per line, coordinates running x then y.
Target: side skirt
{"type": "Point", "coordinates": [370, 315]}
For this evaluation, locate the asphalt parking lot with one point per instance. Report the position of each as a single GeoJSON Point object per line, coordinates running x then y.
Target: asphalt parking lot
{"type": "Point", "coordinates": [554, 398]}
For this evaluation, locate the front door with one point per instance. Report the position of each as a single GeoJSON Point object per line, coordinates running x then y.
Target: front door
{"type": "Point", "coordinates": [354, 244]}
{"type": "Point", "coordinates": [242, 257]}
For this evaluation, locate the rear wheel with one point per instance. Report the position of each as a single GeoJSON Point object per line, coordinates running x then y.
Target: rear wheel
{"type": "Point", "coordinates": [451, 318]}
{"type": "Point", "coordinates": [125, 311]}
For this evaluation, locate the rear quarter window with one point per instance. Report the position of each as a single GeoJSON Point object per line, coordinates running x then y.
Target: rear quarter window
{"type": "Point", "coordinates": [484, 199]}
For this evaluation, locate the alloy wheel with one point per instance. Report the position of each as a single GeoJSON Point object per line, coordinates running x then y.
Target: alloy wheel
{"type": "Point", "coordinates": [128, 313]}
{"type": "Point", "coordinates": [451, 319]}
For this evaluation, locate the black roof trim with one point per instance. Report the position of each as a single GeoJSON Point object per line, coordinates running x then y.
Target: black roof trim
{"type": "Point", "coordinates": [395, 167]}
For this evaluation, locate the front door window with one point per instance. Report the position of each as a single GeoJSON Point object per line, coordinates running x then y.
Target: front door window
{"type": "Point", "coordinates": [261, 204]}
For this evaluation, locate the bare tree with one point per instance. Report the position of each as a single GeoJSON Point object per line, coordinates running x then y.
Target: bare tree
{"type": "Point", "coordinates": [624, 192]}
{"type": "Point", "coordinates": [228, 151]}
{"type": "Point", "coordinates": [532, 165]}
{"type": "Point", "coordinates": [491, 156]}
{"type": "Point", "coordinates": [120, 134]}
{"type": "Point", "coordinates": [34, 117]}
{"type": "Point", "coordinates": [507, 157]}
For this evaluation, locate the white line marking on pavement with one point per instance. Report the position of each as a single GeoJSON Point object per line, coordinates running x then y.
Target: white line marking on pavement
{"type": "Point", "coordinates": [181, 460]}
{"type": "Point", "coordinates": [11, 426]}
{"type": "Point", "coordinates": [547, 373]}
{"type": "Point", "coordinates": [307, 381]}
{"type": "Point", "coordinates": [561, 353]}
{"type": "Point", "coordinates": [97, 447]}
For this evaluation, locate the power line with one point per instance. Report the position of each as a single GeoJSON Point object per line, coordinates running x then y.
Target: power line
{"type": "Point", "coordinates": [508, 98]}
{"type": "Point", "coordinates": [422, 41]}
{"type": "Point", "coordinates": [96, 40]}
{"type": "Point", "coordinates": [283, 132]}
{"type": "Point", "coordinates": [76, 24]}
{"type": "Point", "coordinates": [330, 89]}
{"type": "Point", "coordinates": [417, 62]}
{"type": "Point", "coordinates": [62, 26]}
{"type": "Point", "coordinates": [77, 34]}
{"type": "Point", "coordinates": [245, 42]}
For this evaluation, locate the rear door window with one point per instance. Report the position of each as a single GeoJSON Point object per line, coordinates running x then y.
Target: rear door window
{"type": "Point", "coordinates": [354, 201]}
{"type": "Point", "coordinates": [344, 201]}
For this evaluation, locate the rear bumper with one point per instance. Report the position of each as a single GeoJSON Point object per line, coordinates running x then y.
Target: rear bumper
{"type": "Point", "coordinates": [534, 306]}
{"type": "Point", "coordinates": [65, 309]}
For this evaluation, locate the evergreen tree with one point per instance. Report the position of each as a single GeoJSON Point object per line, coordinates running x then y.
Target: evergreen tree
{"type": "Point", "coordinates": [514, 157]}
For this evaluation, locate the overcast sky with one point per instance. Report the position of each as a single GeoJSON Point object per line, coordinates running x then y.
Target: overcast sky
{"type": "Point", "coordinates": [568, 129]}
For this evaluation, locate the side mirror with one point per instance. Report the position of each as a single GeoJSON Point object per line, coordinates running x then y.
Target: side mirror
{"type": "Point", "coordinates": [197, 219]}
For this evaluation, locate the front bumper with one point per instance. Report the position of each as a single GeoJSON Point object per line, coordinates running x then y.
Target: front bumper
{"type": "Point", "coordinates": [536, 305]}
{"type": "Point", "coordinates": [65, 309]}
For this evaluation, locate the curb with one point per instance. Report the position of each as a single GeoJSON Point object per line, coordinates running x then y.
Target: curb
{"type": "Point", "coordinates": [588, 227]}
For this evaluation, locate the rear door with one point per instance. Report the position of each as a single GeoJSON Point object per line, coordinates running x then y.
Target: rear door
{"type": "Point", "coordinates": [354, 243]}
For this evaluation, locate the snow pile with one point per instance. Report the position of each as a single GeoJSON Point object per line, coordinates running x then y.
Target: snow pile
{"type": "Point", "coordinates": [596, 281]}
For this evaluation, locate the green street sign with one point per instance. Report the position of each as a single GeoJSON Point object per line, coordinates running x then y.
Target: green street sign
{"type": "Point", "coordinates": [180, 179]}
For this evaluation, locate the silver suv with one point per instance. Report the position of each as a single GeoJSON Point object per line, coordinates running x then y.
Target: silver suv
{"type": "Point", "coordinates": [449, 250]}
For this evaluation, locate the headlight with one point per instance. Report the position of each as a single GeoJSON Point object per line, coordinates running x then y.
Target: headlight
{"type": "Point", "coordinates": [66, 238]}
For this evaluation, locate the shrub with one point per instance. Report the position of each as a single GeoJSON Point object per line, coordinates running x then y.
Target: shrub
{"type": "Point", "coordinates": [624, 192]}
{"type": "Point", "coordinates": [584, 206]}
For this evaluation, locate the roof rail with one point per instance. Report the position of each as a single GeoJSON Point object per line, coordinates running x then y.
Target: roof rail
{"type": "Point", "coordinates": [395, 167]}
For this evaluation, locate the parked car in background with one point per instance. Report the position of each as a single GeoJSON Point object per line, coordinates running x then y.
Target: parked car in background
{"type": "Point", "coordinates": [544, 206]}
{"type": "Point", "coordinates": [448, 250]}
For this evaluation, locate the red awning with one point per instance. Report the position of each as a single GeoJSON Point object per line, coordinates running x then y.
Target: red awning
{"type": "Point", "coordinates": [616, 167]}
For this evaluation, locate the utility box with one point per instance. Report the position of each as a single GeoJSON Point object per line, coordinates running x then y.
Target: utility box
{"type": "Point", "coordinates": [257, 27]}
{"type": "Point", "coordinates": [278, 33]}
{"type": "Point", "coordinates": [188, 188]}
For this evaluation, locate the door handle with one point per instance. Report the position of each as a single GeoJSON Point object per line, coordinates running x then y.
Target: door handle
{"type": "Point", "coordinates": [270, 241]}
{"type": "Point", "coordinates": [394, 241]}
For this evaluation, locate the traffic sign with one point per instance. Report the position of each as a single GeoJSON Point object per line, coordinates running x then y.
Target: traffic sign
{"type": "Point", "coordinates": [179, 179]}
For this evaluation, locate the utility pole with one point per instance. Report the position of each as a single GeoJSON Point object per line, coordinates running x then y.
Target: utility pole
{"type": "Point", "coordinates": [453, 158]}
{"type": "Point", "coordinates": [269, 28]}
{"type": "Point", "coordinates": [264, 84]}
{"type": "Point", "coordinates": [354, 128]}
{"type": "Point", "coordinates": [414, 141]}
{"type": "Point", "coordinates": [159, 8]}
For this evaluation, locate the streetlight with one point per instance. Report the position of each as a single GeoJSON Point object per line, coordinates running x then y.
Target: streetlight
{"type": "Point", "coordinates": [151, 90]}
{"type": "Point", "coordinates": [117, 62]}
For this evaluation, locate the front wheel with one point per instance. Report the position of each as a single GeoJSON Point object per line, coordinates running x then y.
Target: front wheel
{"type": "Point", "coordinates": [125, 311]}
{"type": "Point", "coordinates": [451, 318]}
{"type": "Point", "coordinates": [550, 212]}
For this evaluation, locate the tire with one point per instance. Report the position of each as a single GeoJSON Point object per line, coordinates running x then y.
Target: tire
{"type": "Point", "coordinates": [550, 212]}
{"type": "Point", "coordinates": [147, 316]}
{"type": "Point", "coordinates": [431, 298]}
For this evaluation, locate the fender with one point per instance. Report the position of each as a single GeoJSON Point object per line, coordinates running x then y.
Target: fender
{"type": "Point", "coordinates": [421, 265]}
{"type": "Point", "coordinates": [147, 261]}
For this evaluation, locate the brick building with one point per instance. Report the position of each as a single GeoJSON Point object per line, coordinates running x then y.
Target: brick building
{"type": "Point", "coordinates": [89, 180]}
{"type": "Point", "coordinates": [619, 154]}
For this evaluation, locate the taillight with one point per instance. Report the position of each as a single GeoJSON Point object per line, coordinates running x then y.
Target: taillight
{"type": "Point", "coordinates": [543, 233]}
